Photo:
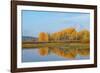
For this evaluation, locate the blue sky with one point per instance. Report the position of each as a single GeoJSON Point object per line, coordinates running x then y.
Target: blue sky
{"type": "Point", "coordinates": [34, 22]}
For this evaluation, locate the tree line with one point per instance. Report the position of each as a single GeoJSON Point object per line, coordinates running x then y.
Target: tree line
{"type": "Point", "coordinates": [69, 34]}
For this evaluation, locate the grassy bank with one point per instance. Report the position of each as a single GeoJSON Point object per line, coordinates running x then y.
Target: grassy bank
{"type": "Point", "coordinates": [65, 45]}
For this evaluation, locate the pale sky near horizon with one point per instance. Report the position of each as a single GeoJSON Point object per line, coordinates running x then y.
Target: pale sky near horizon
{"type": "Point", "coordinates": [34, 22]}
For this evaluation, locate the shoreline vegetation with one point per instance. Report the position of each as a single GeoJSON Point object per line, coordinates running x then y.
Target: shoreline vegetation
{"type": "Point", "coordinates": [69, 38]}
{"type": "Point", "coordinates": [66, 43]}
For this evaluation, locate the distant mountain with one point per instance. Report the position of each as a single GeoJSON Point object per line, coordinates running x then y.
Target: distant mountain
{"type": "Point", "coordinates": [29, 38]}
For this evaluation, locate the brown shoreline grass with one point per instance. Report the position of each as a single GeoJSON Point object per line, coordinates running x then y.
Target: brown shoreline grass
{"type": "Point", "coordinates": [69, 45]}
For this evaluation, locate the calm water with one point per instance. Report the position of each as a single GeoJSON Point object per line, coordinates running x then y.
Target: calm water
{"type": "Point", "coordinates": [53, 54]}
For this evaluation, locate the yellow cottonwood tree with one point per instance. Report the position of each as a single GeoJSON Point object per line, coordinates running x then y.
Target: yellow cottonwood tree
{"type": "Point", "coordinates": [84, 35]}
{"type": "Point", "coordinates": [43, 37]}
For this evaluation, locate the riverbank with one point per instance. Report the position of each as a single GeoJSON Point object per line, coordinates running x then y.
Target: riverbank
{"type": "Point", "coordinates": [65, 45]}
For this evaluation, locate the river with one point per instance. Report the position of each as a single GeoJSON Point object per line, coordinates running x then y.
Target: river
{"type": "Point", "coordinates": [53, 54]}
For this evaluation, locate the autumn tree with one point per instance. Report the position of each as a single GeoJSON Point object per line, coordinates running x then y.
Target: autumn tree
{"type": "Point", "coordinates": [64, 35]}
{"type": "Point", "coordinates": [84, 35]}
{"type": "Point", "coordinates": [43, 37]}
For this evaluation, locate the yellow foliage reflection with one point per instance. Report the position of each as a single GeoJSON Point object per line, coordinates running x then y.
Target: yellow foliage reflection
{"type": "Point", "coordinates": [69, 53]}
{"type": "Point", "coordinates": [43, 51]}
{"type": "Point", "coordinates": [84, 52]}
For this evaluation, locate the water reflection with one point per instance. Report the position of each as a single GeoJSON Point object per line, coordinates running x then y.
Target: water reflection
{"type": "Point", "coordinates": [43, 51]}
{"type": "Point", "coordinates": [84, 52]}
{"type": "Point", "coordinates": [69, 53]}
